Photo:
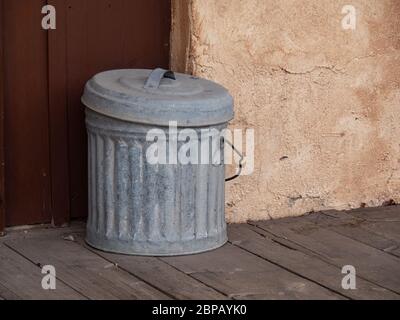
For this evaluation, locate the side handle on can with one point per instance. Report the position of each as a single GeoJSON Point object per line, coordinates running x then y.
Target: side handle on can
{"type": "Point", "coordinates": [240, 161]}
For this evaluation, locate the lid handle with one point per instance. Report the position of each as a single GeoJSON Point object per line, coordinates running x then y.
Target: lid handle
{"type": "Point", "coordinates": [154, 79]}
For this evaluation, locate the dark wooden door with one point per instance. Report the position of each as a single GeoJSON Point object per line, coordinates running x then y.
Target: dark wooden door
{"type": "Point", "coordinates": [27, 153]}
{"type": "Point", "coordinates": [44, 75]}
{"type": "Point", "coordinates": [105, 35]}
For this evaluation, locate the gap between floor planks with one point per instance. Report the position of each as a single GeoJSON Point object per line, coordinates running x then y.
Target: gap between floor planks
{"type": "Point", "coordinates": [84, 271]}
{"type": "Point", "coordinates": [302, 262]}
{"type": "Point", "coordinates": [210, 275]}
{"type": "Point", "coordinates": [314, 236]}
{"type": "Point", "coordinates": [197, 279]}
{"type": "Point", "coordinates": [213, 271]}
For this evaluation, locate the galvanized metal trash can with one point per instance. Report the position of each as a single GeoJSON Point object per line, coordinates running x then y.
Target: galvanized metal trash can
{"type": "Point", "coordinates": [145, 208]}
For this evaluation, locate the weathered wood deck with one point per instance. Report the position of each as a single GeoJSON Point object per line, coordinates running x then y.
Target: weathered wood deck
{"type": "Point", "coordinates": [293, 258]}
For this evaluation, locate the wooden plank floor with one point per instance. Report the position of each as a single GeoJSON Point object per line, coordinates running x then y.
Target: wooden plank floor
{"type": "Point", "coordinates": [291, 258]}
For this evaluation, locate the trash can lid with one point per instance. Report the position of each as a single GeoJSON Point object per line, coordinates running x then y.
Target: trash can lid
{"type": "Point", "coordinates": [157, 97]}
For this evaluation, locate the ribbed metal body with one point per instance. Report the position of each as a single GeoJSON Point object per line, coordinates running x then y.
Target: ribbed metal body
{"type": "Point", "coordinates": [149, 209]}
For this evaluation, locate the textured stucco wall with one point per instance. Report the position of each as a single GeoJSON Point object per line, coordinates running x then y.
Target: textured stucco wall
{"type": "Point", "coordinates": [324, 102]}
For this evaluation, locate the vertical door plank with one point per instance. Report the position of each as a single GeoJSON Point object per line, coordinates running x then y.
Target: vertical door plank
{"type": "Point", "coordinates": [104, 35]}
{"type": "Point", "coordinates": [58, 116]}
{"type": "Point", "coordinates": [2, 177]}
{"type": "Point", "coordinates": [27, 178]}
